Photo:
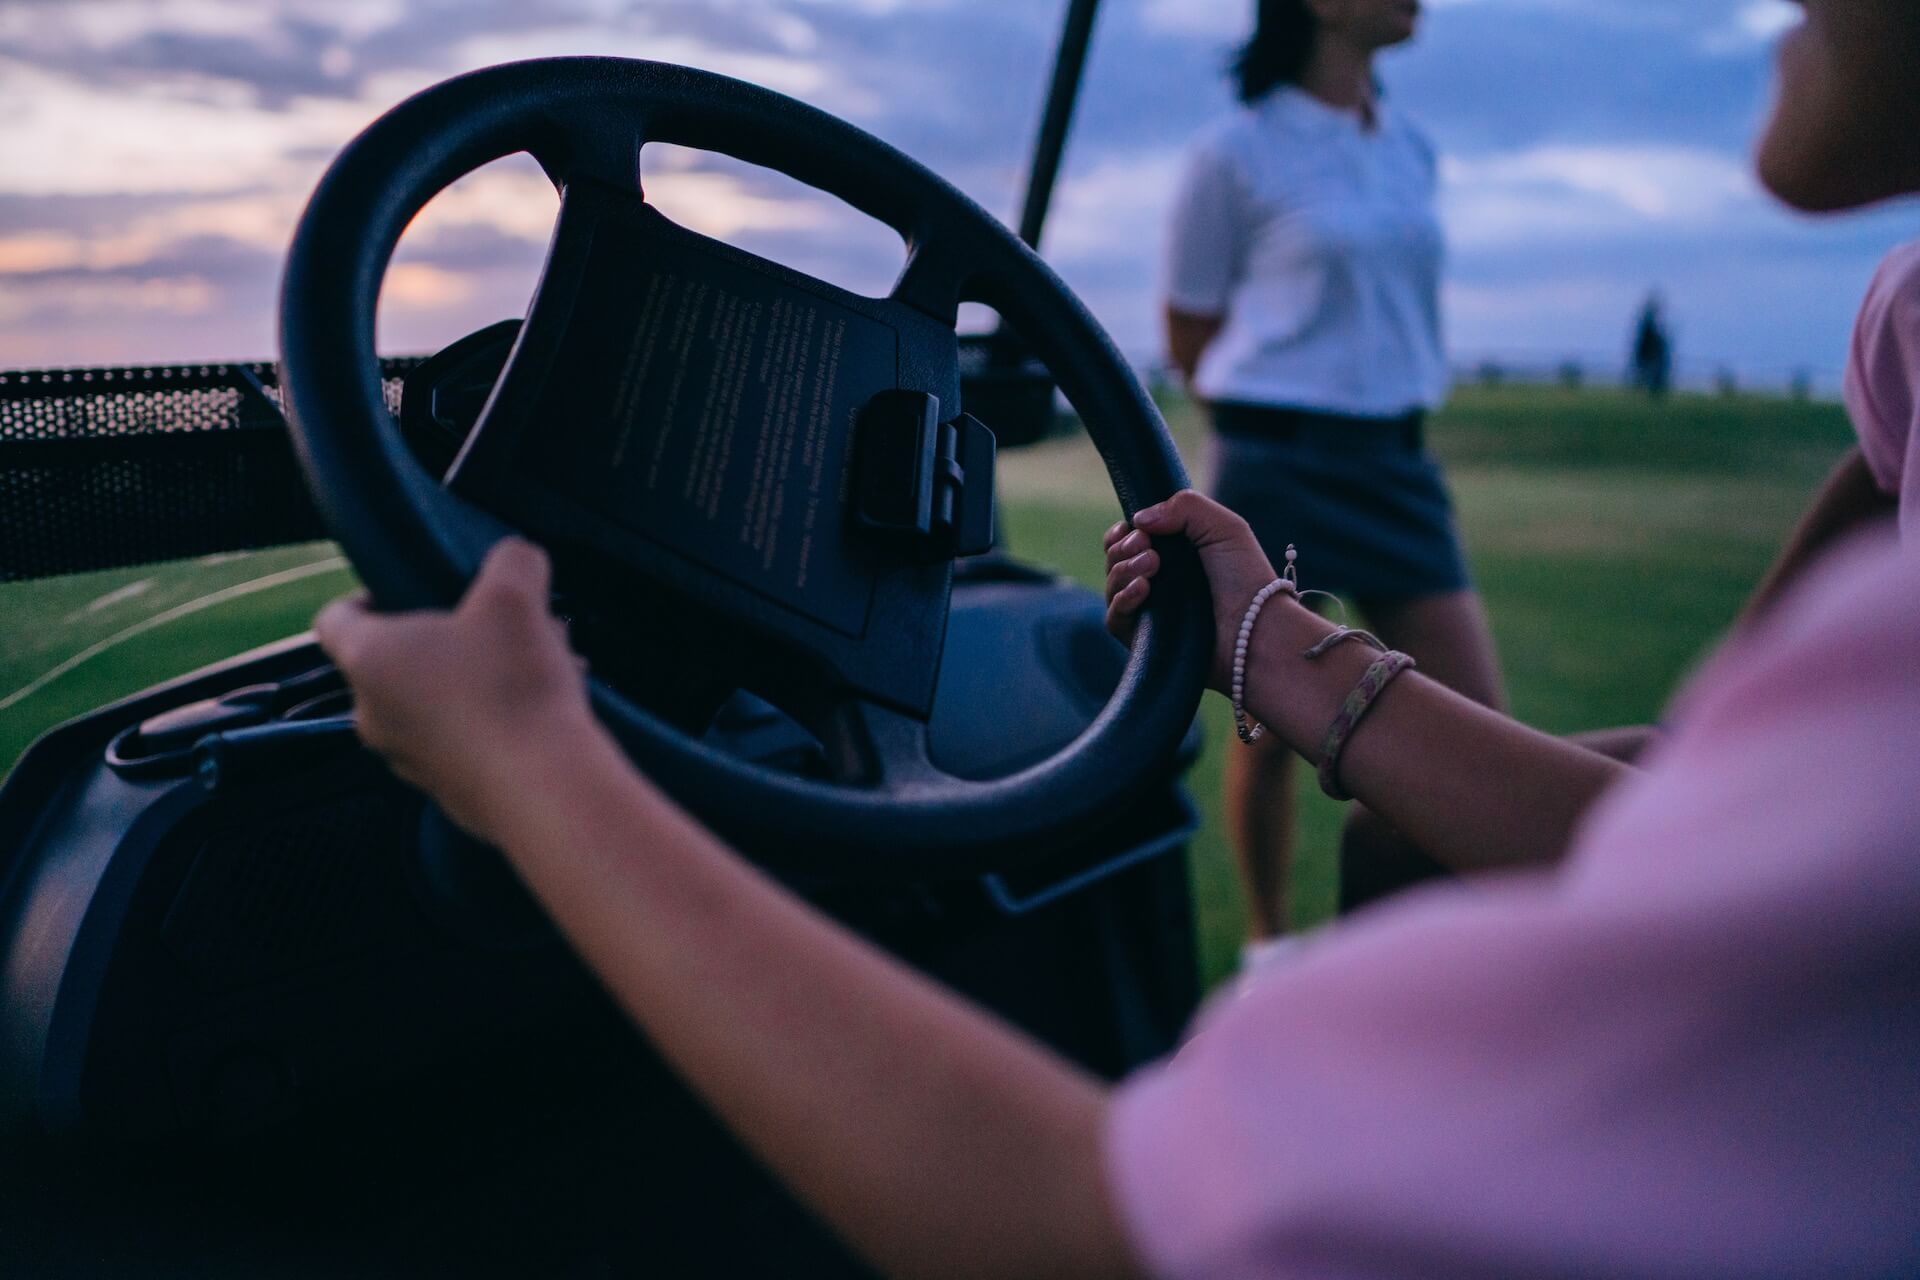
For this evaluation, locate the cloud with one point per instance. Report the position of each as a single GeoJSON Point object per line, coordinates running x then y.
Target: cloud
{"type": "Point", "coordinates": [170, 134]}
{"type": "Point", "coordinates": [1219, 19]}
{"type": "Point", "coordinates": [420, 286]}
{"type": "Point", "coordinates": [275, 52]}
{"type": "Point", "coordinates": [1756, 23]}
{"type": "Point", "coordinates": [511, 196]}
{"type": "Point", "coordinates": [882, 8]}
{"type": "Point", "coordinates": [36, 302]}
{"type": "Point", "coordinates": [721, 201]}
{"type": "Point", "coordinates": [259, 220]}
{"type": "Point", "coordinates": [1117, 207]}
{"type": "Point", "coordinates": [785, 72]}
{"type": "Point", "coordinates": [1553, 192]}
{"type": "Point", "coordinates": [155, 153]}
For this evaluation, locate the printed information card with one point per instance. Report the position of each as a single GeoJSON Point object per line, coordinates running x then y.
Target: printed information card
{"type": "Point", "coordinates": [711, 408]}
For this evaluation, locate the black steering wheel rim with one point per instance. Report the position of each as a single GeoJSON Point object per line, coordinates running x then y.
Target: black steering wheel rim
{"type": "Point", "coordinates": [417, 545]}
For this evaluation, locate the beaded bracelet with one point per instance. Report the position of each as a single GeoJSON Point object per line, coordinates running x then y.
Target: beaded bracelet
{"type": "Point", "coordinates": [1358, 703]}
{"type": "Point", "coordinates": [1248, 728]}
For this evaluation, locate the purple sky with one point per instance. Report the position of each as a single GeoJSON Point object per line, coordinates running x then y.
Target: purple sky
{"type": "Point", "coordinates": [154, 154]}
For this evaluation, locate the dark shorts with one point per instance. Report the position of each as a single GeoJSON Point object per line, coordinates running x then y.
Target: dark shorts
{"type": "Point", "coordinates": [1361, 498]}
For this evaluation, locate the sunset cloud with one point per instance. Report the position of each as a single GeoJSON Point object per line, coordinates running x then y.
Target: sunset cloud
{"type": "Point", "coordinates": [24, 301]}
{"type": "Point", "coordinates": [156, 155]}
{"type": "Point", "coordinates": [420, 286]}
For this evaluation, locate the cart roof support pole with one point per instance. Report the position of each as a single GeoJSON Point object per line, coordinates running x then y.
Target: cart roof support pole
{"type": "Point", "coordinates": [1047, 148]}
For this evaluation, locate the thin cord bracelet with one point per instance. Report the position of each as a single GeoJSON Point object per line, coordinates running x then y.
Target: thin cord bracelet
{"type": "Point", "coordinates": [1344, 633]}
{"type": "Point", "coordinates": [1246, 726]}
{"type": "Point", "coordinates": [1358, 703]}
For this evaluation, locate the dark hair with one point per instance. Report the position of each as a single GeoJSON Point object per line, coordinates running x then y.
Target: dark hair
{"type": "Point", "coordinates": [1278, 51]}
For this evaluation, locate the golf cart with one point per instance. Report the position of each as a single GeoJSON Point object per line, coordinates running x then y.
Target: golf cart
{"type": "Point", "coordinates": [263, 1010]}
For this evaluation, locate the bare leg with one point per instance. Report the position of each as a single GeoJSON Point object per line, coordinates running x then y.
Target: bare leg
{"type": "Point", "coordinates": [1448, 636]}
{"type": "Point", "coordinates": [1259, 803]}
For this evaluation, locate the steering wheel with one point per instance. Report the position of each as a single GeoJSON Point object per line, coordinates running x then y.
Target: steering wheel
{"type": "Point", "coordinates": [743, 510]}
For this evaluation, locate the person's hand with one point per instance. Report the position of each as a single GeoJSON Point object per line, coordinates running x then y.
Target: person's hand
{"type": "Point", "coordinates": [1235, 565]}
{"type": "Point", "coordinates": [459, 703]}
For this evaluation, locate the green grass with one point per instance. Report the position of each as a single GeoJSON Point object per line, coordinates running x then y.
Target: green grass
{"type": "Point", "coordinates": [1613, 540]}
{"type": "Point", "coordinates": [130, 628]}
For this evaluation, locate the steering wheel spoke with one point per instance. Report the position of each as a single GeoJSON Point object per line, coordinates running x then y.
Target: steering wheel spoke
{"type": "Point", "coordinates": [933, 281]}
{"type": "Point", "coordinates": [607, 152]}
{"type": "Point", "coordinates": [870, 745]}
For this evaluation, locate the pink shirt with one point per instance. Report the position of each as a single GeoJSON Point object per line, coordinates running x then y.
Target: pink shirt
{"type": "Point", "coordinates": [1692, 1051]}
{"type": "Point", "coordinates": [1879, 388]}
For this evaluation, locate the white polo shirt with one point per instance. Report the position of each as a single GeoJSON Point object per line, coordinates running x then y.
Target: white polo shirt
{"type": "Point", "coordinates": [1317, 238]}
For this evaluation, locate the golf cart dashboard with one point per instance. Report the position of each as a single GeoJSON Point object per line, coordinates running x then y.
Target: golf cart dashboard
{"type": "Point", "coordinates": [206, 952]}
{"type": "Point", "coordinates": [232, 942]}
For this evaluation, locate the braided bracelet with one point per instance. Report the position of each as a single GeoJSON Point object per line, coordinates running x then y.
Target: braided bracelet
{"type": "Point", "coordinates": [1358, 703]}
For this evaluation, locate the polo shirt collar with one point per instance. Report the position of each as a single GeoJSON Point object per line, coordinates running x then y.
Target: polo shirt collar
{"type": "Point", "coordinates": [1294, 107]}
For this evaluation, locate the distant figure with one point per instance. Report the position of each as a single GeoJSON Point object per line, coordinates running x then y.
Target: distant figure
{"type": "Point", "coordinates": [1652, 365]}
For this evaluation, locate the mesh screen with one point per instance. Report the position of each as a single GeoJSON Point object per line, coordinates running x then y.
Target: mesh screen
{"type": "Point", "coordinates": [101, 468]}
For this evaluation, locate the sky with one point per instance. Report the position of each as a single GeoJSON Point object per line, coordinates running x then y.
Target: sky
{"type": "Point", "coordinates": [154, 155]}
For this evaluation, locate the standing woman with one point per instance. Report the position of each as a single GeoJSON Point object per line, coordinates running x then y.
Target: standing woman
{"type": "Point", "coordinates": [1302, 306]}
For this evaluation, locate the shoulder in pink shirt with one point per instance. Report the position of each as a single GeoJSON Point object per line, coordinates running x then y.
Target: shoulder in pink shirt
{"type": "Point", "coordinates": [1879, 388]}
{"type": "Point", "coordinates": [1692, 1051]}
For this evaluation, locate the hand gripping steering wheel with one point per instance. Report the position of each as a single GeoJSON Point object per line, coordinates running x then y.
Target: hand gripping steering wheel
{"type": "Point", "coordinates": [688, 413]}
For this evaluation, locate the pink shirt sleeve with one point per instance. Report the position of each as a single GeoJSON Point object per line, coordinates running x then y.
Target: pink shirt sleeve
{"type": "Point", "coordinates": [1882, 364]}
{"type": "Point", "coordinates": [1693, 1051]}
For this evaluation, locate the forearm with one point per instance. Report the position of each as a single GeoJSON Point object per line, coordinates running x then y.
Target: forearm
{"type": "Point", "coordinates": [1472, 787]}
{"type": "Point", "coordinates": [1188, 337]}
{"type": "Point", "coordinates": [936, 1140]}
{"type": "Point", "coordinates": [1848, 498]}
